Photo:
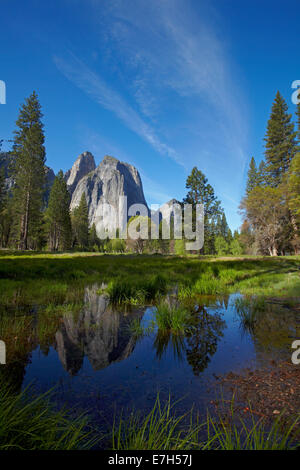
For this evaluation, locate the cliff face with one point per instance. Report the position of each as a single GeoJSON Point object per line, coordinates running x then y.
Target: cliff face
{"type": "Point", "coordinates": [110, 180]}
{"type": "Point", "coordinates": [81, 167]}
{"type": "Point", "coordinates": [102, 185]}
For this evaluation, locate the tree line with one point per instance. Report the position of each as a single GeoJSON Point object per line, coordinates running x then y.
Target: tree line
{"type": "Point", "coordinates": [271, 205]}
{"type": "Point", "coordinates": [30, 218]}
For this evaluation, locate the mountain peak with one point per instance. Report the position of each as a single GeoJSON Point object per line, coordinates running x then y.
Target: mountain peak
{"type": "Point", "coordinates": [84, 164]}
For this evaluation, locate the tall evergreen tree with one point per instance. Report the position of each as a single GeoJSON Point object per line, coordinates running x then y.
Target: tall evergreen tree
{"type": "Point", "coordinates": [58, 215]}
{"type": "Point", "coordinates": [28, 172]}
{"type": "Point", "coordinates": [94, 240]}
{"type": "Point", "coordinates": [252, 176]}
{"type": "Point", "coordinates": [201, 192]}
{"type": "Point", "coordinates": [80, 223]}
{"type": "Point", "coordinates": [280, 141]}
{"type": "Point", "coordinates": [261, 174]}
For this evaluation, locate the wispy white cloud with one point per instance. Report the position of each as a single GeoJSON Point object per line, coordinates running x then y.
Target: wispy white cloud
{"type": "Point", "coordinates": [171, 49]}
{"type": "Point", "coordinates": [92, 84]}
{"type": "Point", "coordinates": [183, 92]}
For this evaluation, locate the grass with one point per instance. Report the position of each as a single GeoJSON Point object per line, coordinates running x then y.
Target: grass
{"type": "Point", "coordinates": [171, 319]}
{"type": "Point", "coordinates": [31, 423]}
{"type": "Point", "coordinates": [28, 423]}
{"type": "Point", "coordinates": [27, 279]}
{"type": "Point", "coordinates": [159, 430]}
{"type": "Point", "coordinates": [163, 429]}
{"type": "Point", "coordinates": [136, 292]}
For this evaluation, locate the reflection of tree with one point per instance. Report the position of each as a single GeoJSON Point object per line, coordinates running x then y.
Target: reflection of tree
{"type": "Point", "coordinates": [177, 341]}
{"type": "Point", "coordinates": [200, 342]}
{"type": "Point", "coordinates": [274, 329]}
{"type": "Point", "coordinates": [203, 339]}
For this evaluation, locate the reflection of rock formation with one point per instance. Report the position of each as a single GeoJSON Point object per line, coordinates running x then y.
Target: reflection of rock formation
{"type": "Point", "coordinates": [98, 332]}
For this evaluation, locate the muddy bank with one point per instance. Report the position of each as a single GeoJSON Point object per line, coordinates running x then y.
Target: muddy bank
{"type": "Point", "coordinates": [271, 391]}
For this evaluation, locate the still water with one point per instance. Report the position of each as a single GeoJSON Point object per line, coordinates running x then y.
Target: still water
{"type": "Point", "coordinates": [97, 364]}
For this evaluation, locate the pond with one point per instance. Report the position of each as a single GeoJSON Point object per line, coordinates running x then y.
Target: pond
{"type": "Point", "coordinates": [99, 364]}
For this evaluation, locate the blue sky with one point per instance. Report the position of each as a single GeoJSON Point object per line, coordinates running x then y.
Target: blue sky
{"type": "Point", "coordinates": [163, 84]}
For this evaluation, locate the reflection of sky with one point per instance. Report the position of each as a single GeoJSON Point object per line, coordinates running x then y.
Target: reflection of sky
{"type": "Point", "coordinates": [137, 379]}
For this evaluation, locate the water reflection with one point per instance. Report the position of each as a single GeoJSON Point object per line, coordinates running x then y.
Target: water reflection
{"type": "Point", "coordinates": [198, 344]}
{"type": "Point", "coordinates": [99, 332]}
{"type": "Point", "coordinates": [102, 334]}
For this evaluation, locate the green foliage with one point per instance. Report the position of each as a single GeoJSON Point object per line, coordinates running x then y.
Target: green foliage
{"type": "Point", "coordinates": [159, 430]}
{"type": "Point", "coordinates": [94, 240]}
{"type": "Point", "coordinates": [280, 142]}
{"type": "Point", "coordinates": [267, 213]}
{"type": "Point", "coordinates": [171, 318]}
{"type": "Point", "coordinates": [80, 224]}
{"type": "Point", "coordinates": [235, 247]}
{"type": "Point", "coordinates": [201, 192]}
{"type": "Point", "coordinates": [221, 246]}
{"type": "Point", "coordinates": [32, 424]}
{"type": "Point", "coordinates": [294, 186]}
{"type": "Point", "coordinates": [252, 176]}
{"type": "Point", "coordinates": [58, 216]}
{"type": "Point", "coordinates": [135, 290]}
{"type": "Point", "coordinates": [179, 247]}
{"type": "Point", "coordinates": [164, 429]}
{"type": "Point", "coordinates": [28, 173]}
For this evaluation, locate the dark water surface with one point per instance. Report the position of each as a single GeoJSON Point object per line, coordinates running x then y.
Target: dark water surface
{"type": "Point", "coordinates": [98, 365]}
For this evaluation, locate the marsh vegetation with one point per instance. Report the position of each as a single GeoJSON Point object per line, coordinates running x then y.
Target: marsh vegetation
{"type": "Point", "coordinates": [113, 331]}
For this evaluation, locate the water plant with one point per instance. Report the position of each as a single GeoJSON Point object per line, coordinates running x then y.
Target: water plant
{"type": "Point", "coordinates": [32, 423]}
{"type": "Point", "coordinates": [163, 429]}
{"type": "Point", "coordinates": [171, 318]}
{"type": "Point", "coordinates": [158, 430]}
{"type": "Point", "coordinates": [136, 291]}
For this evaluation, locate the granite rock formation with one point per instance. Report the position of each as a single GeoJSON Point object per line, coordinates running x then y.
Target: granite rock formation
{"type": "Point", "coordinates": [103, 187]}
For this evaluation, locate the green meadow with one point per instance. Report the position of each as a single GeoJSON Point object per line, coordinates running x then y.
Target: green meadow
{"type": "Point", "coordinates": [57, 279]}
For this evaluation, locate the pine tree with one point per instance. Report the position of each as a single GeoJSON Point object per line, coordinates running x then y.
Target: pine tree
{"type": "Point", "coordinates": [280, 141]}
{"type": "Point", "coordinates": [201, 192]}
{"type": "Point", "coordinates": [261, 174]}
{"type": "Point", "coordinates": [252, 176]}
{"type": "Point", "coordinates": [28, 172]}
{"type": "Point", "coordinates": [94, 240]}
{"type": "Point", "coordinates": [80, 223]}
{"type": "Point", "coordinates": [224, 227]}
{"type": "Point", "coordinates": [58, 215]}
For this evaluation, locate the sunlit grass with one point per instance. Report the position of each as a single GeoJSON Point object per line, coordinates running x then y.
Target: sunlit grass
{"type": "Point", "coordinates": [172, 318]}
